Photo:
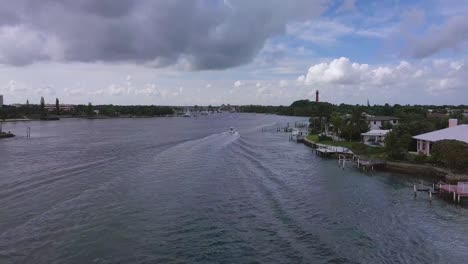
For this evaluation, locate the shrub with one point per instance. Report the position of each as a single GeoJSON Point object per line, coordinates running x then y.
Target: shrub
{"type": "Point", "coordinates": [420, 158]}
{"type": "Point", "coordinates": [324, 138]}
{"type": "Point", "coordinates": [452, 154]}
{"type": "Point", "coordinates": [359, 148]}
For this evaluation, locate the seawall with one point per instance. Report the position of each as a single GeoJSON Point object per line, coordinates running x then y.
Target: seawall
{"type": "Point", "coordinates": [415, 169]}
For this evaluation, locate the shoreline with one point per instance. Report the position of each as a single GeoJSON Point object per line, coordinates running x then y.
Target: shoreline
{"type": "Point", "coordinates": [413, 169]}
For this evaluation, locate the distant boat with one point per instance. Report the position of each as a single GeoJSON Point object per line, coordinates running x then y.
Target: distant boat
{"type": "Point", "coordinates": [187, 114]}
{"type": "Point", "coordinates": [232, 131]}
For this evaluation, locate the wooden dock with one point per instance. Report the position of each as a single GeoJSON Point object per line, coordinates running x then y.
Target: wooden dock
{"type": "Point", "coordinates": [327, 150]}
{"type": "Point", "coordinates": [458, 190]}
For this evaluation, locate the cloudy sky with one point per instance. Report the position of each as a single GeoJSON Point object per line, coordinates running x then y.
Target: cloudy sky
{"type": "Point", "coordinates": [186, 52]}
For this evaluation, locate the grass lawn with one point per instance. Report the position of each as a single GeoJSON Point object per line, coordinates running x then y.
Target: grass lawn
{"type": "Point", "coordinates": [312, 137]}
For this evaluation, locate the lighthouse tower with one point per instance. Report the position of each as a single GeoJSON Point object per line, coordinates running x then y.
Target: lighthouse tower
{"type": "Point", "coordinates": [317, 96]}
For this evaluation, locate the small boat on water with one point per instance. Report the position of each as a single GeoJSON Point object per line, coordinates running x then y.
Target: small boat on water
{"type": "Point", "coordinates": [187, 113]}
{"type": "Point", "coordinates": [232, 131]}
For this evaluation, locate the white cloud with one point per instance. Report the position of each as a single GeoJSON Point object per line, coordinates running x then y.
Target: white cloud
{"type": "Point", "coordinates": [403, 80]}
{"type": "Point", "coordinates": [148, 90]}
{"type": "Point", "coordinates": [96, 92]}
{"type": "Point", "coordinates": [347, 6]}
{"type": "Point", "coordinates": [327, 32]}
{"type": "Point", "coordinates": [116, 90]}
{"type": "Point", "coordinates": [238, 84]}
{"type": "Point", "coordinates": [283, 83]}
{"type": "Point", "coordinates": [47, 90]}
{"type": "Point", "coordinates": [339, 71]}
{"type": "Point", "coordinates": [73, 92]}
{"type": "Point", "coordinates": [451, 35]}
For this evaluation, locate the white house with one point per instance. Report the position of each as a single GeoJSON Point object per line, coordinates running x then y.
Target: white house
{"type": "Point", "coordinates": [376, 122]}
{"type": "Point", "coordinates": [453, 132]}
{"type": "Point", "coordinates": [375, 137]}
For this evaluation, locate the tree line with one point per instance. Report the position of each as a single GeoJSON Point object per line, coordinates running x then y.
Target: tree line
{"type": "Point", "coordinates": [38, 111]}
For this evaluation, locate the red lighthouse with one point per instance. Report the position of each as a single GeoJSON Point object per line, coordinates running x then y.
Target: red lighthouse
{"type": "Point", "coordinates": [317, 96]}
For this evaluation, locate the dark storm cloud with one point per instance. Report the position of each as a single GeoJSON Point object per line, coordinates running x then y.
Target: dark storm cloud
{"type": "Point", "coordinates": [203, 34]}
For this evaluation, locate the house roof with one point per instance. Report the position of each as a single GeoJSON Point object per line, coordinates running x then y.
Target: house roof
{"type": "Point", "coordinates": [376, 132]}
{"type": "Point", "coordinates": [459, 133]}
{"type": "Point", "coordinates": [382, 118]}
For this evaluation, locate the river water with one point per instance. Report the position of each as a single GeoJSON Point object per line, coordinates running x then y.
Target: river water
{"type": "Point", "coordinates": [180, 190]}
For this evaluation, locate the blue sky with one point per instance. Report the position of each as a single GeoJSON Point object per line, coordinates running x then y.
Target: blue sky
{"type": "Point", "coordinates": [235, 51]}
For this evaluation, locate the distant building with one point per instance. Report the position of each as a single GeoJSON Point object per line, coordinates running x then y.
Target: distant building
{"type": "Point", "coordinates": [317, 96]}
{"type": "Point", "coordinates": [453, 132]}
{"type": "Point", "coordinates": [1, 101]}
{"type": "Point", "coordinates": [375, 137]}
{"type": "Point", "coordinates": [63, 107]}
{"type": "Point", "coordinates": [376, 122]}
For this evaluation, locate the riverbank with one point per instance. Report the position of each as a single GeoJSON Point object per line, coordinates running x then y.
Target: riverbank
{"type": "Point", "coordinates": [413, 169]}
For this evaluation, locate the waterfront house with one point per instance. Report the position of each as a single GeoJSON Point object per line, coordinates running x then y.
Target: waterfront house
{"type": "Point", "coordinates": [376, 122]}
{"type": "Point", "coordinates": [453, 132]}
{"type": "Point", "coordinates": [375, 137]}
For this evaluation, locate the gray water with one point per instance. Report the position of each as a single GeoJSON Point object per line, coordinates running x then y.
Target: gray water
{"type": "Point", "coordinates": [179, 190]}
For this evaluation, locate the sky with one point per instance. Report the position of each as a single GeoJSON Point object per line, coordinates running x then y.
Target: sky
{"type": "Point", "coordinates": [212, 52]}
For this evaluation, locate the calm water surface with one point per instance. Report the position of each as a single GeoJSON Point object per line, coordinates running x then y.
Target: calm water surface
{"type": "Point", "coordinates": [179, 190]}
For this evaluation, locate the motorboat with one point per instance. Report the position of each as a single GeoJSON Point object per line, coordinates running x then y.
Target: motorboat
{"type": "Point", "coordinates": [232, 131]}
{"type": "Point", "coordinates": [187, 113]}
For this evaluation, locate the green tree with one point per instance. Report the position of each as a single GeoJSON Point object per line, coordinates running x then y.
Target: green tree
{"type": "Point", "coordinates": [57, 106]}
{"type": "Point", "coordinates": [43, 113]}
{"type": "Point", "coordinates": [356, 125]}
{"type": "Point", "coordinates": [89, 109]}
{"type": "Point", "coordinates": [458, 114]}
{"type": "Point", "coordinates": [396, 146]}
{"type": "Point", "coordinates": [452, 154]}
{"type": "Point", "coordinates": [3, 114]}
{"type": "Point", "coordinates": [337, 121]}
{"type": "Point", "coordinates": [386, 125]}
{"type": "Point", "coordinates": [26, 110]}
